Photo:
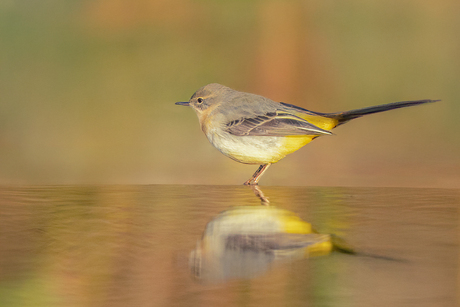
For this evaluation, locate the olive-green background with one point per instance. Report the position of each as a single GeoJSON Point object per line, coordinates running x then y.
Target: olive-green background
{"type": "Point", "coordinates": [87, 88]}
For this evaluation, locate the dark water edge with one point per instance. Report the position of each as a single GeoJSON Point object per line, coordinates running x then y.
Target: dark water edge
{"type": "Point", "coordinates": [130, 245]}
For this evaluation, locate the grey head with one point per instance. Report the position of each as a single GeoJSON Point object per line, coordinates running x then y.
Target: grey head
{"type": "Point", "coordinates": [209, 95]}
{"type": "Point", "coordinates": [232, 105]}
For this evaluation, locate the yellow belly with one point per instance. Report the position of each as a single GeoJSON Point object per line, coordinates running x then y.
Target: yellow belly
{"type": "Point", "coordinates": [295, 142]}
{"type": "Point", "coordinates": [258, 149]}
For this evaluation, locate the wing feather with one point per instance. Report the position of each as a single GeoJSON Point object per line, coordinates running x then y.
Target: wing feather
{"type": "Point", "coordinates": [273, 124]}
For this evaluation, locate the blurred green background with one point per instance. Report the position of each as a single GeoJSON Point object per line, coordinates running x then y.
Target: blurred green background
{"type": "Point", "coordinates": [87, 88]}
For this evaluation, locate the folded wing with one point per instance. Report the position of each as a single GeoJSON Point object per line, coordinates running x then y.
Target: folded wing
{"type": "Point", "coordinates": [273, 124]}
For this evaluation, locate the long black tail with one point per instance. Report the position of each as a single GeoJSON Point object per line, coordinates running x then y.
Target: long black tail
{"type": "Point", "coordinates": [344, 117]}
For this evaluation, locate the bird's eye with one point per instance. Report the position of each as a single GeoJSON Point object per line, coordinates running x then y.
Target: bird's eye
{"type": "Point", "coordinates": [199, 100]}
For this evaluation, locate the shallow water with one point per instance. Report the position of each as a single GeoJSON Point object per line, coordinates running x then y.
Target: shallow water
{"type": "Point", "coordinates": [130, 246]}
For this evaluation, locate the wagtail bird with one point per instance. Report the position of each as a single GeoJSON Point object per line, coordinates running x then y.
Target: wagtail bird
{"type": "Point", "coordinates": [252, 129]}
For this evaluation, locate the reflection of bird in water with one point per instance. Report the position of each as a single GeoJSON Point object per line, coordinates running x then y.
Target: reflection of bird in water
{"type": "Point", "coordinates": [244, 242]}
{"type": "Point", "coordinates": [258, 192]}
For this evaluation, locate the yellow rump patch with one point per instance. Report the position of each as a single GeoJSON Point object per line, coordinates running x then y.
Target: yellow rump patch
{"type": "Point", "coordinates": [325, 123]}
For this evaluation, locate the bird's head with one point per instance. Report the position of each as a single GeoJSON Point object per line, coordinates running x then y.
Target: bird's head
{"type": "Point", "coordinates": [207, 98]}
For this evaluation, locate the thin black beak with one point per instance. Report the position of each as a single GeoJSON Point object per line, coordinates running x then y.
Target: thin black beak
{"type": "Point", "coordinates": [182, 103]}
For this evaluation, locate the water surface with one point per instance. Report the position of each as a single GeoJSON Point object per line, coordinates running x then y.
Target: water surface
{"type": "Point", "coordinates": [130, 246]}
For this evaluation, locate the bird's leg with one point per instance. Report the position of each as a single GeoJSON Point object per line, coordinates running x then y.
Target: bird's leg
{"type": "Point", "coordinates": [255, 178]}
{"type": "Point", "coordinates": [260, 172]}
